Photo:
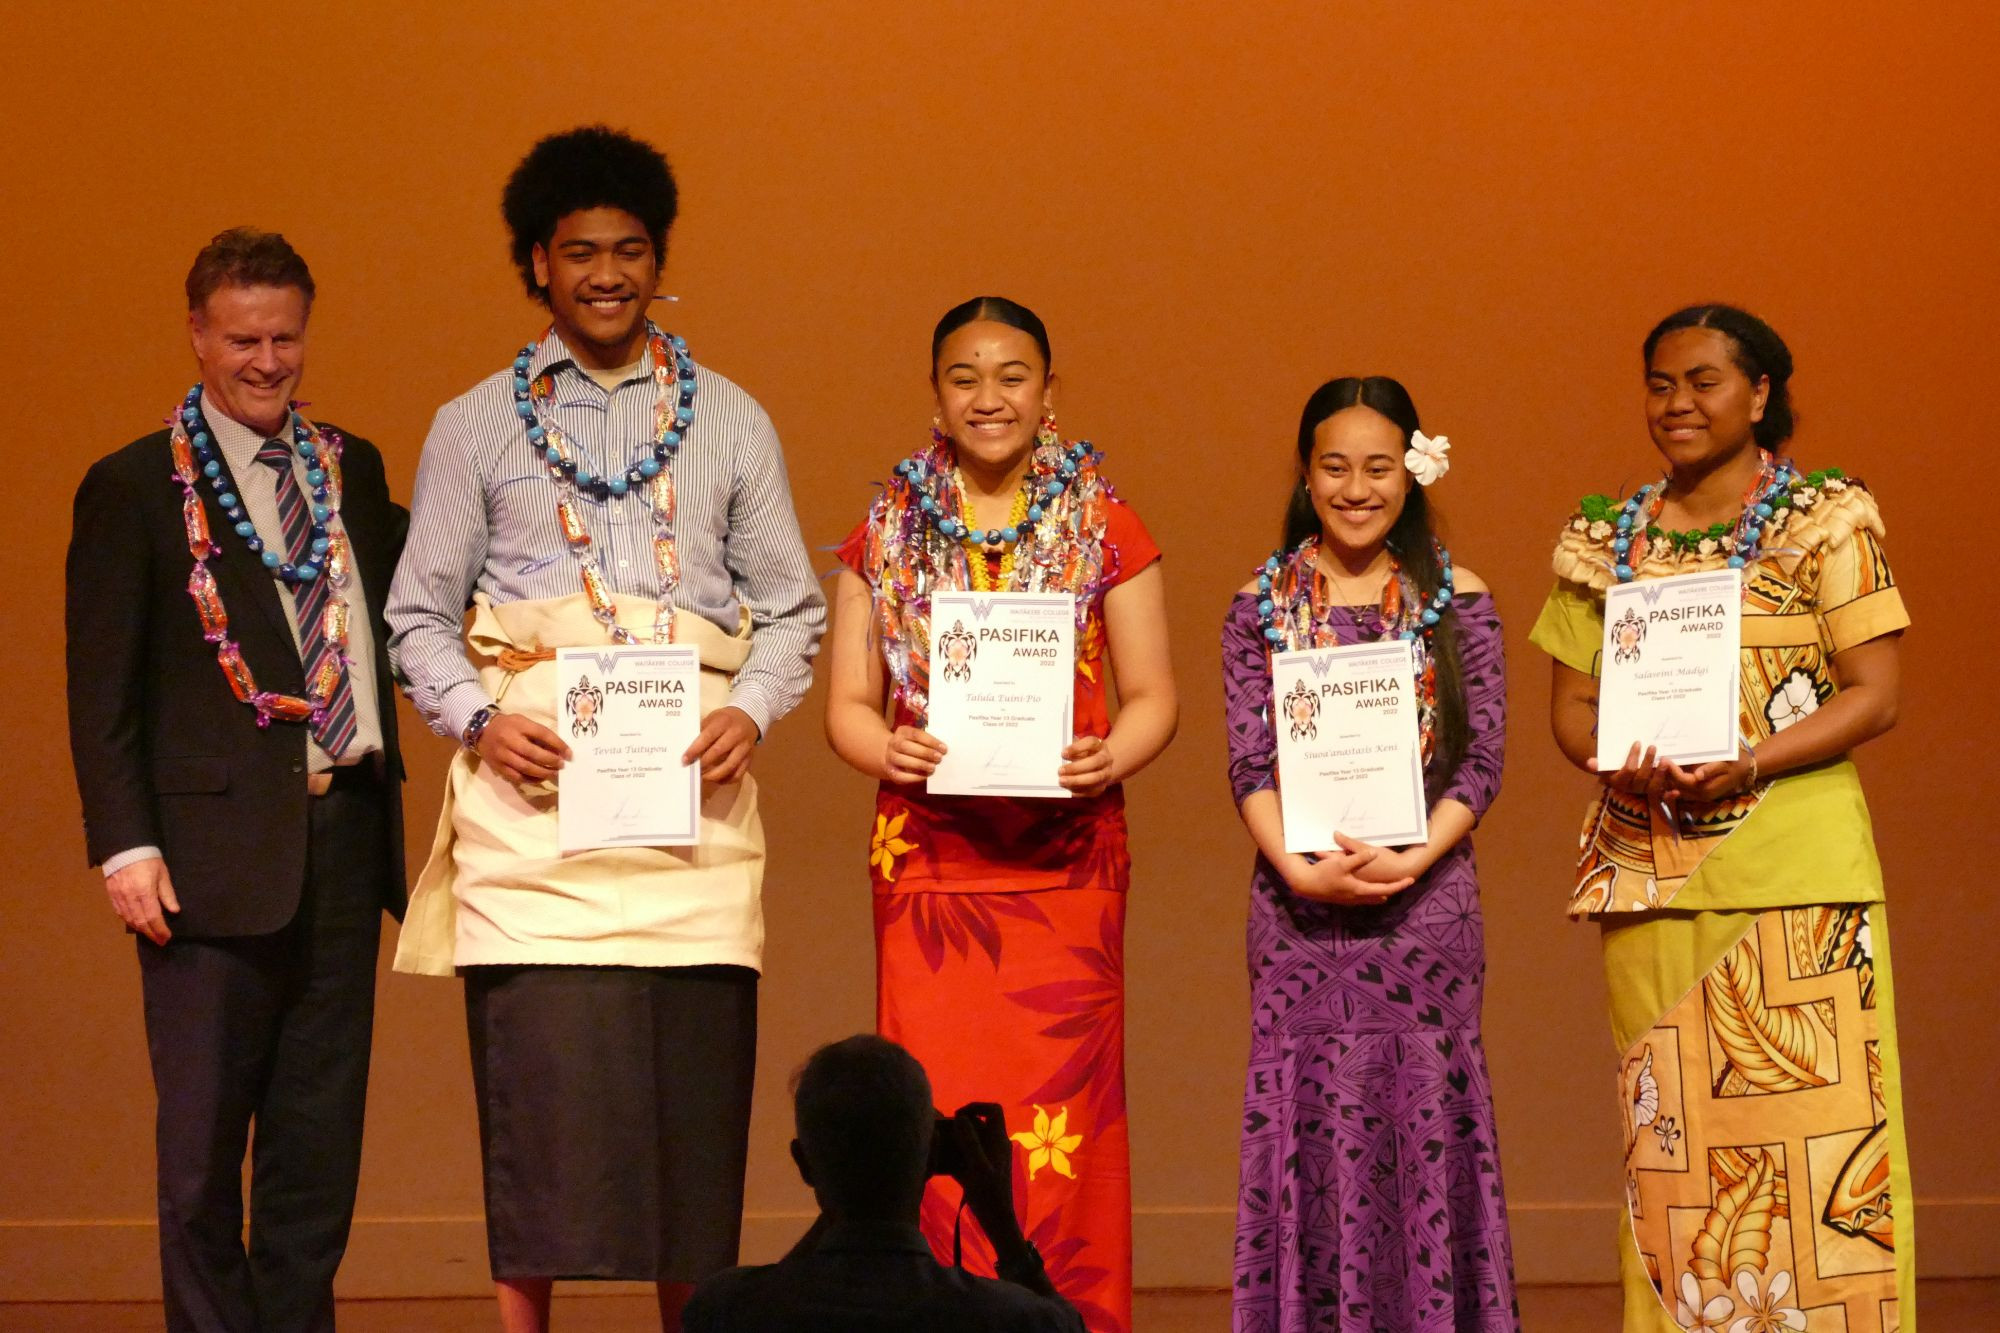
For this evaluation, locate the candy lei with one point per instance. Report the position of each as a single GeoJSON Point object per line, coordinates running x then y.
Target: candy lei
{"type": "Point", "coordinates": [1769, 493]}
{"type": "Point", "coordinates": [673, 415]}
{"type": "Point", "coordinates": [1292, 599]}
{"type": "Point", "coordinates": [197, 458]}
{"type": "Point", "coordinates": [920, 538]}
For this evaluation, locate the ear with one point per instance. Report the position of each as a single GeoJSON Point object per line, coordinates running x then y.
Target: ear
{"type": "Point", "coordinates": [539, 257]}
{"type": "Point", "coordinates": [1760, 396]}
{"type": "Point", "coordinates": [1049, 387]}
{"type": "Point", "coordinates": [194, 332]}
{"type": "Point", "coordinates": [799, 1160]}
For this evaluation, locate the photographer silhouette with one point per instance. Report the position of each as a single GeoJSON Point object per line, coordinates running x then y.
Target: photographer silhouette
{"type": "Point", "coordinates": [867, 1140]}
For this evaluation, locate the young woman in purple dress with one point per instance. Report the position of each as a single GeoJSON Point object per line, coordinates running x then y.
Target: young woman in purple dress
{"type": "Point", "coordinates": [1370, 1187]}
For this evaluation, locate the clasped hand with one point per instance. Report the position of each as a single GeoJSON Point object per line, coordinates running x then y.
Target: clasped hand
{"type": "Point", "coordinates": [1645, 774]}
{"type": "Point", "coordinates": [1359, 874]}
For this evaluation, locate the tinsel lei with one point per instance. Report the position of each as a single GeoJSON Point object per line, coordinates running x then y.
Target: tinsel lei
{"type": "Point", "coordinates": [914, 544]}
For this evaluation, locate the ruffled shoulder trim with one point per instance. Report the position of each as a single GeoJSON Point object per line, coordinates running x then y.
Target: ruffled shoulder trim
{"type": "Point", "coordinates": [1823, 508]}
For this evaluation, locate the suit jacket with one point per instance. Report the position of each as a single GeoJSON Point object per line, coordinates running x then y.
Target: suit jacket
{"type": "Point", "coordinates": [165, 753]}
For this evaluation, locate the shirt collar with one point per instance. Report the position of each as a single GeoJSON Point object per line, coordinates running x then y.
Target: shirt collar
{"type": "Point", "coordinates": [239, 443]}
{"type": "Point", "coordinates": [553, 356]}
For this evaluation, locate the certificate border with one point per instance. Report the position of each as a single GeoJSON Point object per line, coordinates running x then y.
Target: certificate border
{"type": "Point", "coordinates": [1405, 658]}
{"type": "Point", "coordinates": [692, 838]}
{"type": "Point", "coordinates": [1733, 580]}
{"type": "Point", "coordinates": [1054, 791]}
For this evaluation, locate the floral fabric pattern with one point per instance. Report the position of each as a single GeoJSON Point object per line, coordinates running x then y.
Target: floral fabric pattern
{"type": "Point", "coordinates": [1821, 585]}
{"type": "Point", "coordinates": [1035, 1022]}
{"type": "Point", "coordinates": [1774, 1210]}
{"type": "Point", "coordinates": [1369, 1193]}
{"type": "Point", "coordinates": [999, 844]}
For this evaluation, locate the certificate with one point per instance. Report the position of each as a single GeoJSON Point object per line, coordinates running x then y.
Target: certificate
{"type": "Point", "coordinates": [1002, 690]}
{"type": "Point", "coordinates": [1350, 752]}
{"type": "Point", "coordinates": [1672, 651]}
{"type": "Point", "coordinates": [628, 715]}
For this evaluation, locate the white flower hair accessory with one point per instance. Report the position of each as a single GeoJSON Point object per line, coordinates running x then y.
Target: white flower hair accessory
{"type": "Point", "coordinates": [1427, 457]}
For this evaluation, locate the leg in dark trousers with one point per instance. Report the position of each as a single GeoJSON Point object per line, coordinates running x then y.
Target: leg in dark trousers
{"type": "Point", "coordinates": [275, 1029]}
{"type": "Point", "coordinates": [306, 1156]}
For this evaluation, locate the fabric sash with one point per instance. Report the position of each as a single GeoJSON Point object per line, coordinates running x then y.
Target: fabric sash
{"type": "Point", "coordinates": [496, 889]}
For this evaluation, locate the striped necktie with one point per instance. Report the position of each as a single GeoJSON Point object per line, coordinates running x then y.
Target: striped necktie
{"type": "Point", "coordinates": [336, 729]}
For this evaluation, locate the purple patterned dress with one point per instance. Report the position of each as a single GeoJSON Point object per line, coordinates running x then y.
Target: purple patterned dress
{"type": "Point", "coordinates": [1369, 1198]}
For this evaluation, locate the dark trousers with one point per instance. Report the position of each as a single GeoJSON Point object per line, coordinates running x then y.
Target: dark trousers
{"type": "Point", "coordinates": [271, 1030]}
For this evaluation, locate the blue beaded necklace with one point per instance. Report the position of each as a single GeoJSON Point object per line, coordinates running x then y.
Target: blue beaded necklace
{"type": "Point", "coordinates": [531, 398]}
{"type": "Point", "coordinates": [924, 475]}
{"type": "Point", "coordinates": [209, 459]}
{"type": "Point", "coordinates": [1280, 606]}
{"type": "Point", "coordinates": [1768, 494]}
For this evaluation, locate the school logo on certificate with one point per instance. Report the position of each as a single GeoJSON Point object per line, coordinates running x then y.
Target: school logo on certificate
{"type": "Point", "coordinates": [1627, 633]}
{"type": "Point", "coordinates": [959, 648]}
{"type": "Point", "coordinates": [1302, 710]}
{"type": "Point", "coordinates": [583, 703]}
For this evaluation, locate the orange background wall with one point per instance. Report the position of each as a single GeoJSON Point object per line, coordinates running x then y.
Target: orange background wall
{"type": "Point", "coordinates": [1215, 208]}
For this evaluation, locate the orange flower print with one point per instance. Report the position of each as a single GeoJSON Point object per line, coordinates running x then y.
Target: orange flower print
{"type": "Point", "coordinates": [1090, 648]}
{"type": "Point", "coordinates": [888, 845]}
{"type": "Point", "coordinates": [1049, 1143]}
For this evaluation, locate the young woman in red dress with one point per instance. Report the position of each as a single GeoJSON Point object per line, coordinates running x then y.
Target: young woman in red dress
{"type": "Point", "coordinates": [1000, 921]}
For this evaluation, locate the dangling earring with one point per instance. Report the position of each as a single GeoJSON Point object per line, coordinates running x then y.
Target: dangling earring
{"type": "Point", "coordinates": [937, 428]}
{"type": "Point", "coordinates": [1045, 434]}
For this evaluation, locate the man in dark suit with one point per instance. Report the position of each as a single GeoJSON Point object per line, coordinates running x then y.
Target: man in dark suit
{"type": "Point", "coordinates": [865, 1127]}
{"type": "Point", "coordinates": [234, 733]}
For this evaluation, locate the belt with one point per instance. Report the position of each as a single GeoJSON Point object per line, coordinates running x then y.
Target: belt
{"type": "Point", "coordinates": [345, 777]}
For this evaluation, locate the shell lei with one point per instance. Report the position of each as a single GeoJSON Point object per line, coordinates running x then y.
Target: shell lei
{"type": "Point", "coordinates": [1292, 597]}
{"type": "Point", "coordinates": [905, 555]}
{"type": "Point", "coordinates": [196, 457]}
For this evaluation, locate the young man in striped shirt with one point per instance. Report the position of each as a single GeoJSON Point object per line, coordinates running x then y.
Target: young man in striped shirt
{"type": "Point", "coordinates": [602, 488]}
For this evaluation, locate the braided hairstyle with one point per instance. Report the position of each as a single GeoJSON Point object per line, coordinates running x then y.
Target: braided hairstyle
{"type": "Point", "coordinates": [1758, 352]}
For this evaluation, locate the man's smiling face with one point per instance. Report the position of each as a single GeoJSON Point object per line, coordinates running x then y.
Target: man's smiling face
{"type": "Point", "coordinates": [250, 343]}
{"type": "Point", "coordinates": [599, 270]}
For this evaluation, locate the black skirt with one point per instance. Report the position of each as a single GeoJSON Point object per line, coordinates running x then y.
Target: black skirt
{"type": "Point", "coordinates": [614, 1117]}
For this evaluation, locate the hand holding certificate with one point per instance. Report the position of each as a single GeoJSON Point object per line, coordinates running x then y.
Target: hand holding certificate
{"type": "Point", "coordinates": [1350, 753]}
{"type": "Point", "coordinates": [628, 714]}
{"type": "Point", "coordinates": [1002, 691]}
{"type": "Point", "coordinates": [1672, 650]}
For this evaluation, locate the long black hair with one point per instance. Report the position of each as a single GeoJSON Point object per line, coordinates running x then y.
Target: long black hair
{"type": "Point", "coordinates": [1758, 352]}
{"type": "Point", "coordinates": [1412, 539]}
{"type": "Point", "coordinates": [1001, 311]}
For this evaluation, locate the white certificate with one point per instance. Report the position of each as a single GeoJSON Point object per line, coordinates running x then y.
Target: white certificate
{"type": "Point", "coordinates": [628, 715]}
{"type": "Point", "coordinates": [1672, 651]}
{"type": "Point", "coordinates": [1002, 689]}
{"type": "Point", "coordinates": [1350, 752]}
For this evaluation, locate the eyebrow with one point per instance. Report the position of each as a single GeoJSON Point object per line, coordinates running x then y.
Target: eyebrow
{"type": "Point", "coordinates": [967, 365]}
{"type": "Point", "coordinates": [1704, 367]}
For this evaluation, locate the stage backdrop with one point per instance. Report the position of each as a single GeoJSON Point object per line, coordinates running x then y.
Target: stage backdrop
{"type": "Point", "coordinates": [1215, 208]}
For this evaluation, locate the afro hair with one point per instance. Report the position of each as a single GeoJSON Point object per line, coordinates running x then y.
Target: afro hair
{"type": "Point", "coordinates": [592, 167]}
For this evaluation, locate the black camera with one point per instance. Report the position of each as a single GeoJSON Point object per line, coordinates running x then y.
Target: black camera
{"type": "Point", "coordinates": [989, 1128]}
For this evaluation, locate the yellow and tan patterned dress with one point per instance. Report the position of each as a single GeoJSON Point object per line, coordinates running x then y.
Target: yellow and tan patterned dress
{"type": "Point", "coordinates": [1747, 951]}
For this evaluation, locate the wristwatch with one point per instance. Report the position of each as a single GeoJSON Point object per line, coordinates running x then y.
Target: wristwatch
{"type": "Point", "coordinates": [473, 729]}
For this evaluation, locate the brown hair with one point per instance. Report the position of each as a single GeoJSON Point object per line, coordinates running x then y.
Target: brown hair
{"type": "Point", "coordinates": [247, 257]}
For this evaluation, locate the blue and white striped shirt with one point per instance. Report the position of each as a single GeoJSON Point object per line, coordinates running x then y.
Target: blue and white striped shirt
{"type": "Point", "coordinates": [483, 518]}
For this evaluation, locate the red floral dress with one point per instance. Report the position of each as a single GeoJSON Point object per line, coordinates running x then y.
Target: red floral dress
{"type": "Point", "coordinates": [1000, 939]}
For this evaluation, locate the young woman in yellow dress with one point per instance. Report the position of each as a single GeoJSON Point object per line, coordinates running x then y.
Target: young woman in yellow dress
{"type": "Point", "coordinates": [1745, 939]}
